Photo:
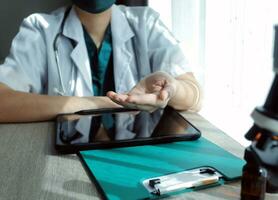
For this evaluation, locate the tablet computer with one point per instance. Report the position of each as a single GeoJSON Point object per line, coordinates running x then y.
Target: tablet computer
{"type": "Point", "coordinates": [109, 128]}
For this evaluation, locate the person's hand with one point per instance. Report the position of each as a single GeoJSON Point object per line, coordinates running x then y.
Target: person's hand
{"type": "Point", "coordinates": [151, 93]}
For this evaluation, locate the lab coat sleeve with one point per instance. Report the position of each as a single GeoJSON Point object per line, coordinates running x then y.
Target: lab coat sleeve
{"type": "Point", "coordinates": [25, 67]}
{"type": "Point", "coordinates": [165, 51]}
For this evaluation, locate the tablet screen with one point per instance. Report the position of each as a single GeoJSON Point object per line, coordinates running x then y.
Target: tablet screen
{"type": "Point", "coordinates": [112, 129]}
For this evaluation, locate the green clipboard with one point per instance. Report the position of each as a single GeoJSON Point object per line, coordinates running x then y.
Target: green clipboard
{"type": "Point", "coordinates": [119, 172]}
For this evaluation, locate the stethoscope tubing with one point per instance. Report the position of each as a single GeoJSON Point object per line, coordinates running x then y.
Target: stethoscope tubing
{"type": "Point", "coordinates": [56, 52]}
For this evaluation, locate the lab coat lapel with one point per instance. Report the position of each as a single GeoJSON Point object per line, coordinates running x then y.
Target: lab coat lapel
{"type": "Point", "coordinates": [121, 34]}
{"type": "Point", "coordinates": [73, 30]}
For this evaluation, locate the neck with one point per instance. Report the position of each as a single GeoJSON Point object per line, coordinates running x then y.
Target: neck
{"type": "Point", "coordinates": [95, 24]}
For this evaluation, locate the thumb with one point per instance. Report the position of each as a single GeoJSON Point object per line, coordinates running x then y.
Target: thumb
{"type": "Point", "coordinates": [167, 92]}
{"type": "Point", "coordinates": [164, 95]}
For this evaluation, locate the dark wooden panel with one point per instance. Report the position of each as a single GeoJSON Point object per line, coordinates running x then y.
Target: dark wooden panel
{"type": "Point", "coordinates": [12, 13]}
{"type": "Point", "coordinates": [133, 2]}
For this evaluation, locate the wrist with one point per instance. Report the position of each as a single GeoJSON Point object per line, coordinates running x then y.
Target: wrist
{"type": "Point", "coordinates": [97, 102]}
{"type": "Point", "coordinates": [74, 104]}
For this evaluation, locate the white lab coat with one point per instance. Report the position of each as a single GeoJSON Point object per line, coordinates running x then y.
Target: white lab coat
{"type": "Point", "coordinates": [141, 45]}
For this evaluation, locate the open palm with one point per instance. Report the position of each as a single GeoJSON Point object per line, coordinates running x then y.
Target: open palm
{"type": "Point", "coordinates": [151, 93]}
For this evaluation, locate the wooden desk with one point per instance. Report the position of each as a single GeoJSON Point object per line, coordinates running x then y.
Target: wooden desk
{"type": "Point", "coordinates": [30, 169]}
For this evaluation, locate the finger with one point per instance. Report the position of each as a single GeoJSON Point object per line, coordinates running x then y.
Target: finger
{"type": "Point", "coordinates": [114, 97]}
{"type": "Point", "coordinates": [110, 94]}
{"type": "Point", "coordinates": [155, 88]}
{"type": "Point", "coordinates": [142, 99]}
{"type": "Point", "coordinates": [149, 100]}
{"type": "Point", "coordinates": [117, 102]}
{"type": "Point", "coordinates": [117, 97]}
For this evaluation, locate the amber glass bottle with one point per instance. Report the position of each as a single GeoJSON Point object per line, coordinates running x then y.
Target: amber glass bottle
{"type": "Point", "coordinates": [254, 178]}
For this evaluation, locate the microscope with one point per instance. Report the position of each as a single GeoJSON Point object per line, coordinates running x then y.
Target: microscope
{"type": "Point", "coordinates": [260, 174]}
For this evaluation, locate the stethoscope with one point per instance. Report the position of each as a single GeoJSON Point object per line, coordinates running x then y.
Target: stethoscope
{"type": "Point", "coordinates": [61, 92]}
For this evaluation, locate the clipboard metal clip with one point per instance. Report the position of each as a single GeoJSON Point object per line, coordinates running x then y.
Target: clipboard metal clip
{"type": "Point", "coordinates": [175, 182]}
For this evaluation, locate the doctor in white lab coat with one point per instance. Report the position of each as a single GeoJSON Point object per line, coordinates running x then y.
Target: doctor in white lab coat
{"type": "Point", "coordinates": [150, 69]}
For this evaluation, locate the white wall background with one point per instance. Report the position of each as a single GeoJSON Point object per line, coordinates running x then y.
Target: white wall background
{"type": "Point", "coordinates": [230, 46]}
{"type": "Point", "coordinates": [185, 18]}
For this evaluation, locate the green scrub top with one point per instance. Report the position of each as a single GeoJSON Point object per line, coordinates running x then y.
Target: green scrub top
{"type": "Point", "coordinates": [101, 62]}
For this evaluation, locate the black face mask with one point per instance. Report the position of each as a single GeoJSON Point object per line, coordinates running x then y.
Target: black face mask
{"type": "Point", "coordinates": [94, 6]}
